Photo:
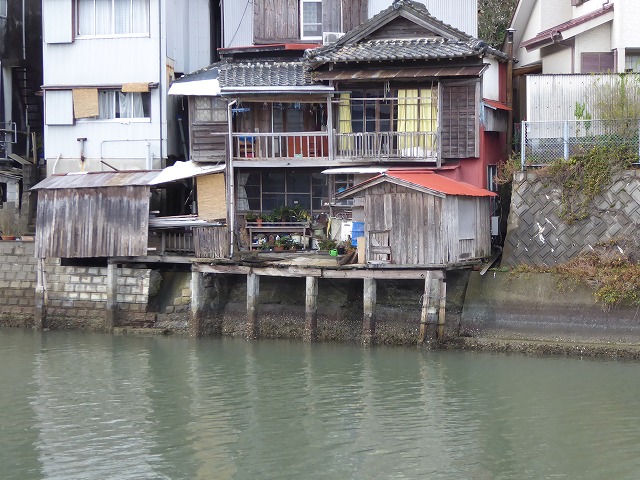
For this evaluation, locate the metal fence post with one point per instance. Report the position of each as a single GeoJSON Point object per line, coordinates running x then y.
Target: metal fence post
{"type": "Point", "coordinates": [523, 140]}
{"type": "Point", "coordinates": [565, 138]}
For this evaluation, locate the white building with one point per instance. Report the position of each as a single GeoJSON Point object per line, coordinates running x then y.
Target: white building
{"type": "Point", "coordinates": [107, 68]}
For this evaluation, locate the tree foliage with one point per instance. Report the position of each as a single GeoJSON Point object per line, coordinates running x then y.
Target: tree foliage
{"type": "Point", "coordinates": [494, 17]}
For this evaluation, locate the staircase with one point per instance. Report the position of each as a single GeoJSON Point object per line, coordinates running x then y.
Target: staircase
{"type": "Point", "coordinates": [28, 89]}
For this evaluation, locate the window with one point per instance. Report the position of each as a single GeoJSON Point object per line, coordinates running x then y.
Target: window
{"type": "Point", "coordinates": [268, 189]}
{"type": "Point", "coordinates": [598, 62]}
{"type": "Point", "coordinates": [210, 110]}
{"type": "Point", "coordinates": [311, 19]}
{"type": "Point", "coordinates": [632, 62]}
{"type": "Point", "coordinates": [112, 17]}
{"type": "Point", "coordinates": [3, 8]}
{"type": "Point", "coordinates": [116, 104]}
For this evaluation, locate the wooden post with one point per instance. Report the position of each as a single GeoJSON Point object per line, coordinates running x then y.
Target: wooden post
{"type": "Point", "coordinates": [311, 310]}
{"type": "Point", "coordinates": [369, 321]}
{"type": "Point", "coordinates": [426, 301]}
{"type": "Point", "coordinates": [253, 292]}
{"type": "Point", "coordinates": [40, 318]}
{"type": "Point", "coordinates": [196, 324]}
{"type": "Point", "coordinates": [112, 297]}
{"type": "Point", "coordinates": [441, 309]}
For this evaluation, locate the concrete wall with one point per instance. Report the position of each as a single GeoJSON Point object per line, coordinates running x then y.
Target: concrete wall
{"type": "Point", "coordinates": [542, 307]}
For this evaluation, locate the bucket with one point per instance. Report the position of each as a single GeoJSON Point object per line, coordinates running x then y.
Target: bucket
{"type": "Point", "coordinates": [357, 230]}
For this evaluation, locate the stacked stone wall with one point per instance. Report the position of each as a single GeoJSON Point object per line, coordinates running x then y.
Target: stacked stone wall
{"type": "Point", "coordinates": [17, 283]}
{"type": "Point", "coordinates": [537, 234]}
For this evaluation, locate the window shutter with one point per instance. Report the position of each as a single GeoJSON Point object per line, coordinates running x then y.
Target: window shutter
{"type": "Point", "coordinates": [58, 21]}
{"type": "Point", "coordinates": [275, 21]}
{"type": "Point", "coordinates": [354, 13]}
{"type": "Point", "coordinates": [459, 121]}
{"type": "Point", "coordinates": [58, 107]}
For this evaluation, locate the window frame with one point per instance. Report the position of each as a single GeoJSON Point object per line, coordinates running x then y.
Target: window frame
{"type": "Point", "coordinates": [146, 106]}
{"type": "Point", "coordinates": [4, 8]}
{"type": "Point", "coordinates": [78, 32]}
{"type": "Point", "coordinates": [303, 24]}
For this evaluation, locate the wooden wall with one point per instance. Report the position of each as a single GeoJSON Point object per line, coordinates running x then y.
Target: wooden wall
{"type": "Point", "coordinates": [92, 222]}
{"type": "Point", "coordinates": [459, 122]}
{"type": "Point", "coordinates": [424, 228]}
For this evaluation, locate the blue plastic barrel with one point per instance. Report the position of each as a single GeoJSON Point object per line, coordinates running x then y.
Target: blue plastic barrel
{"type": "Point", "coordinates": [357, 230]}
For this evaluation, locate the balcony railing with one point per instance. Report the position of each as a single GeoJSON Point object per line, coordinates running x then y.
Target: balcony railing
{"type": "Point", "coordinates": [545, 141]}
{"type": "Point", "coordinates": [370, 145]}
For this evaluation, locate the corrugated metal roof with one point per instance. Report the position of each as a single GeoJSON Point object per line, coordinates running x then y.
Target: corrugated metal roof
{"type": "Point", "coordinates": [381, 73]}
{"type": "Point", "coordinates": [436, 182]}
{"type": "Point", "coordinates": [421, 180]}
{"type": "Point", "coordinates": [495, 104]}
{"type": "Point", "coordinates": [97, 180]}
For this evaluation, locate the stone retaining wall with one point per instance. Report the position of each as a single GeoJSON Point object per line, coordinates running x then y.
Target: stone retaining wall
{"type": "Point", "coordinates": [537, 235]}
{"type": "Point", "coordinates": [17, 283]}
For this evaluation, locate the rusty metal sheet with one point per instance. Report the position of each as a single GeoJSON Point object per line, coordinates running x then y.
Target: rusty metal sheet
{"type": "Point", "coordinates": [97, 180]}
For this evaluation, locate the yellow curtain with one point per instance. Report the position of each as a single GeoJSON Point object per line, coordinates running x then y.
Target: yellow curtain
{"type": "Point", "coordinates": [408, 118]}
{"type": "Point", "coordinates": [428, 117]}
{"type": "Point", "coordinates": [344, 122]}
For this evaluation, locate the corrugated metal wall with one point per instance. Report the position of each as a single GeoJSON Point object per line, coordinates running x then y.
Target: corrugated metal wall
{"type": "Point", "coordinates": [462, 14]}
{"type": "Point", "coordinates": [100, 222]}
{"type": "Point", "coordinates": [554, 97]}
{"type": "Point", "coordinates": [238, 23]}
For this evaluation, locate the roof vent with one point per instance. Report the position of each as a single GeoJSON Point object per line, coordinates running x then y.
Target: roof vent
{"type": "Point", "coordinates": [331, 37]}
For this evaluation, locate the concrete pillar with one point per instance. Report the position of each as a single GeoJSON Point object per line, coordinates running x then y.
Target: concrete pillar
{"type": "Point", "coordinates": [40, 318]}
{"type": "Point", "coordinates": [112, 297]}
{"type": "Point", "coordinates": [311, 310]}
{"type": "Point", "coordinates": [424, 313]}
{"type": "Point", "coordinates": [253, 292]}
{"type": "Point", "coordinates": [441, 309]}
{"type": "Point", "coordinates": [369, 321]}
{"type": "Point", "coordinates": [196, 323]}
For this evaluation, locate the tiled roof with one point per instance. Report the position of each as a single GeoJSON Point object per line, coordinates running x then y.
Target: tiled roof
{"type": "Point", "coordinates": [548, 36]}
{"type": "Point", "coordinates": [400, 49]}
{"type": "Point", "coordinates": [264, 74]}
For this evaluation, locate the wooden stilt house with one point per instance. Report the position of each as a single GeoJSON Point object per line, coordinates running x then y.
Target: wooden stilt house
{"type": "Point", "coordinates": [420, 218]}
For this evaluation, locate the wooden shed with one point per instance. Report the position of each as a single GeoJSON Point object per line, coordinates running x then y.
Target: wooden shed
{"type": "Point", "coordinates": [95, 214]}
{"type": "Point", "coordinates": [419, 218]}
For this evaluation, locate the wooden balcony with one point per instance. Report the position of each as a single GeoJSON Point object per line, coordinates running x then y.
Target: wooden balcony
{"type": "Point", "coordinates": [316, 148]}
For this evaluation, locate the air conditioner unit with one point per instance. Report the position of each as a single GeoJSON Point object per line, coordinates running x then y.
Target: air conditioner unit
{"type": "Point", "coordinates": [330, 37]}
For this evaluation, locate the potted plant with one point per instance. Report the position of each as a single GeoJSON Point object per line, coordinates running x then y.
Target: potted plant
{"type": "Point", "coordinates": [12, 224]}
{"type": "Point", "coordinates": [279, 245]}
{"type": "Point", "coordinates": [250, 217]}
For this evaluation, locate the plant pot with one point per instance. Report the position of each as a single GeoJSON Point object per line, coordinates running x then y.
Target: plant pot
{"type": "Point", "coordinates": [278, 248]}
{"type": "Point", "coordinates": [8, 237]}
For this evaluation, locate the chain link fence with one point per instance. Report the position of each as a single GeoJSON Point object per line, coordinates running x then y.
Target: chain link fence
{"type": "Point", "coordinates": [543, 142]}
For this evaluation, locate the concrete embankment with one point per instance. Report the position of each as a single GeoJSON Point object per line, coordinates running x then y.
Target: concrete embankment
{"type": "Point", "coordinates": [502, 306]}
{"type": "Point", "coordinates": [498, 311]}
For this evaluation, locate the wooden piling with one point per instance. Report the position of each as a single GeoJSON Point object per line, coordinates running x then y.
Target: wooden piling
{"type": "Point", "coordinates": [253, 292]}
{"type": "Point", "coordinates": [311, 310]}
{"type": "Point", "coordinates": [369, 321]}
{"type": "Point", "coordinates": [112, 297]}
{"type": "Point", "coordinates": [196, 324]}
{"type": "Point", "coordinates": [40, 317]}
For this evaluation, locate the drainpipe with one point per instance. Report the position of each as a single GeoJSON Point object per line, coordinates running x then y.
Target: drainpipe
{"type": "Point", "coordinates": [510, 32]}
{"type": "Point", "coordinates": [82, 159]}
{"type": "Point", "coordinates": [24, 31]}
{"type": "Point", "coordinates": [148, 157]}
{"type": "Point", "coordinates": [231, 202]}
{"type": "Point", "coordinates": [162, 66]}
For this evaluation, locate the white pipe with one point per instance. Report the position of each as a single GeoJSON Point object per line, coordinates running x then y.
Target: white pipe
{"type": "Point", "coordinates": [231, 214]}
{"type": "Point", "coordinates": [55, 164]}
{"type": "Point", "coordinates": [24, 32]}
{"type": "Point", "coordinates": [149, 160]}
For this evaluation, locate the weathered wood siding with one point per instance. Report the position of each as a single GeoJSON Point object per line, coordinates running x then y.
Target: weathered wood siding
{"type": "Point", "coordinates": [211, 242]}
{"type": "Point", "coordinates": [276, 21]}
{"type": "Point", "coordinates": [92, 222]}
{"type": "Point", "coordinates": [424, 228]}
{"type": "Point", "coordinates": [417, 232]}
{"type": "Point", "coordinates": [354, 12]}
{"type": "Point", "coordinates": [208, 129]}
{"type": "Point", "coordinates": [459, 120]}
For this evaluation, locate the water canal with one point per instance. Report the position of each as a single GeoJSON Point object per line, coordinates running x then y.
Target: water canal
{"type": "Point", "coordinates": [92, 406]}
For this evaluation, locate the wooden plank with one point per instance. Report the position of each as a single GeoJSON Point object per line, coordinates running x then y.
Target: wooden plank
{"type": "Point", "coordinates": [442, 308]}
{"type": "Point", "coordinates": [380, 274]}
{"type": "Point", "coordinates": [288, 272]}
{"type": "Point", "coordinates": [224, 269]}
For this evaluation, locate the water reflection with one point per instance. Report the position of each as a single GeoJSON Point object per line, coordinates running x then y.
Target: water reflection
{"type": "Point", "coordinates": [97, 406]}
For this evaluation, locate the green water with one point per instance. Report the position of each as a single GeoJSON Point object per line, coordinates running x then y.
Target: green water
{"type": "Point", "coordinates": [91, 406]}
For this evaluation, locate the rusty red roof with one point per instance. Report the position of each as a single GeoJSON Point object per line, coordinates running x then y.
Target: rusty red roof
{"type": "Point", "coordinates": [495, 104]}
{"type": "Point", "coordinates": [439, 183]}
{"type": "Point", "coordinates": [553, 34]}
{"type": "Point", "coordinates": [421, 180]}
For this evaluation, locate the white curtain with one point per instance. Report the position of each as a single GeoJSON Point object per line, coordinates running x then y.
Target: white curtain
{"type": "Point", "coordinates": [106, 104]}
{"type": "Point", "coordinates": [103, 17]}
{"type": "Point", "coordinates": [86, 17]}
{"type": "Point", "coordinates": [243, 200]}
{"type": "Point", "coordinates": [140, 16]}
{"type": "Point", "coordinates": [130, 105]}
{"type": "Point", "coordinates": [122, 16]}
